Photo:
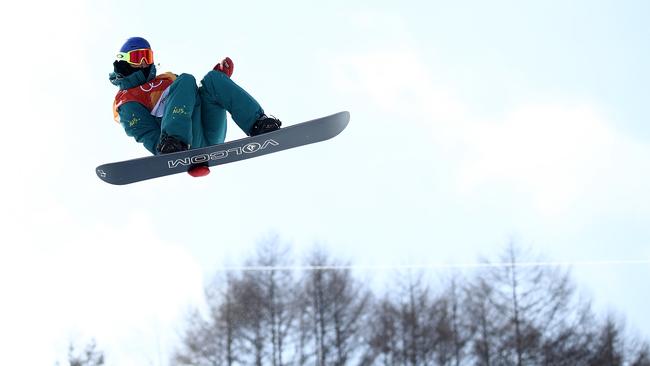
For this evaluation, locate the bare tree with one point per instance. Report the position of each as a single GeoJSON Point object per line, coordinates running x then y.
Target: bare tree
{"type": "Point", "coordinates": [336, 305]}
{"type": "Point", "coordinates": [213, 340]}
{"type": "Point", "coordinates": [417, 323]}
{"type": "Point", "coordinates": [482, 315]}
{"type": "Point", "coordinates": [383, 341]}
{"type": "Point", "coordinates": [251, 314]}
{"type": "Point", "coordinates": [90, 356]}
{"type": "Point", "coordinates": [453, 330]}
{"type": "Point", "coordinates": [404, 325]}
{"type": "Point", "coordinates": [521, 311]}
{"type": "Point", "coordinates": [609, 344]}
{"type": "Point", "coordinates": [276, 293]}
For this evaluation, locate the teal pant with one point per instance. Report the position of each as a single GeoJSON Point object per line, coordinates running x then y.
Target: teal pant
{"type": "Point", "coordinates": [197, 115]}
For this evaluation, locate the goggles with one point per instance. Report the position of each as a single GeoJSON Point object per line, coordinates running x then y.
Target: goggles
{"type": "Point", "coordinates": [135, 57]}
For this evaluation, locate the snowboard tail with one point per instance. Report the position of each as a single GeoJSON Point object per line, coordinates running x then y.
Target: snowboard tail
{"type": "Point", "coordinates": [305, 133]}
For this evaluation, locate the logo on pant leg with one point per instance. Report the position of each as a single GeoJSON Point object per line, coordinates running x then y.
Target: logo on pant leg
{"type": "Point", "coordinates": [180, 110]}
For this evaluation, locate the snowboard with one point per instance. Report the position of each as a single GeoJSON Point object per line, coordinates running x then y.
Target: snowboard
{"type": "Point", "coordinates": [136, 170]}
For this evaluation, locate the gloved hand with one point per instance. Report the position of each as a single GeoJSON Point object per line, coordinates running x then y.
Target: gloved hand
{"type": "Point", "coordinates": [226, 66]}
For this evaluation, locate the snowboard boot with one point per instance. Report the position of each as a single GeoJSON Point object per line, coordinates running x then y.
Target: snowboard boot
{"type": "Point", "coordinates": [265, 124]}
{"type": "Point", "coordinates": [170, 144]}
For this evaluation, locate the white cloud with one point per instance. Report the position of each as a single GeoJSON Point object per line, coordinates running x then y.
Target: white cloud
{"type": "Point", "coordinates": [48, 56]}
{"type": "Point", "coordinates": [557, 154]}
{"type": "Point", "coordinates": [119, 285]}
{"type": "Point", "coordinates": [396, 82]}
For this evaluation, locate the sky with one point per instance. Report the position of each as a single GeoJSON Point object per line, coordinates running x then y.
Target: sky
{"type": "Point", "coordinates": [472, 124]}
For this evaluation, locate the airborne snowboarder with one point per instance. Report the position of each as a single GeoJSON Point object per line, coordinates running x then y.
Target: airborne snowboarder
{"type": "Point", "coordinates": [168, 113]}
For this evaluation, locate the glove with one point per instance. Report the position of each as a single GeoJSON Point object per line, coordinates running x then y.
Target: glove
{"type": "Point", "coordinates": [226, 66]}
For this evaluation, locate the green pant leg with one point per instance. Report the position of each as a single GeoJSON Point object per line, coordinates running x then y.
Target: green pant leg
{"type": "Point", "coordinates": [214, 119]}
{"type": "Point", "coordinates": [198, 133]}
{"type": "Point", "coordinates": [217, 88]}
{"type": "Point", "coordinates": [182, 116]}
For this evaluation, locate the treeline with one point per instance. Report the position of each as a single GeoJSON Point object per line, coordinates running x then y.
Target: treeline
{"type": "Point", "coordinates": [506, 314]}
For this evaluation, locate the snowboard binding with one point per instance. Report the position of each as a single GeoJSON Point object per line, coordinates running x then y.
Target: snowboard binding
{"type": "Point", "coordinates": [265, 124]}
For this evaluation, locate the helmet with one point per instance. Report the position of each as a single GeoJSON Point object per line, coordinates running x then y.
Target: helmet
{"type": "Point", "coordinates": [135, 43]}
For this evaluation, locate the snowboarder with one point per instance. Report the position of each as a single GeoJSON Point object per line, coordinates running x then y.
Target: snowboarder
{"type": "Point", "coordinates": [169, 113]}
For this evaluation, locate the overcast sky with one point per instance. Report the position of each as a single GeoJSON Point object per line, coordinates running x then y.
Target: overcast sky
{"type": "Point", "coordinates": [472, 124]}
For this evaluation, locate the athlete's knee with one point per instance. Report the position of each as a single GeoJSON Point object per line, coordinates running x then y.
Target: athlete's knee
{"type": "Point", "coordinates": [185, 81]}
{"type": "Point", "coordinates": [214, 79]}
